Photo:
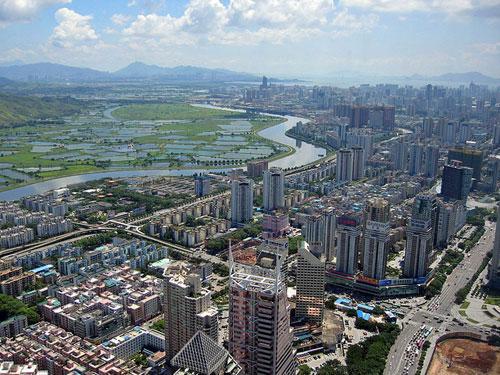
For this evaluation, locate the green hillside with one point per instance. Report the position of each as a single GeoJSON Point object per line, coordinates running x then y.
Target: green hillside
{"type": "Point", "coordinates": [19, 109]}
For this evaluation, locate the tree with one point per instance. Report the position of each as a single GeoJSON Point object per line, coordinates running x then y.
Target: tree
{"type": "Point", "coordinates": [304, 370]}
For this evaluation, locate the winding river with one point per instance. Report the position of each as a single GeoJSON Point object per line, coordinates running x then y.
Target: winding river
{"type": "Point", "coordinates": [304, 153]}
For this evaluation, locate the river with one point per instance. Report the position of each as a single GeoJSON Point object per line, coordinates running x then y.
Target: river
{"type": "Point", "coordinates": [304, 153]}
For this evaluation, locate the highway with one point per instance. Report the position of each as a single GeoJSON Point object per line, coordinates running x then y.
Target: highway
{"type": "Point", "coordinates": [436, 313]}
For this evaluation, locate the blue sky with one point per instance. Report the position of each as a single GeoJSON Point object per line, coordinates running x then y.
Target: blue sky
{"type": "Point", "coordinates": [302, 38]}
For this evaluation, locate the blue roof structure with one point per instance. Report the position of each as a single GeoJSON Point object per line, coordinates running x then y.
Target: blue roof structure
{"type": "Point", "coordinates": [45, 268]}
{"type": "Point", "coordinates": [363, 315]}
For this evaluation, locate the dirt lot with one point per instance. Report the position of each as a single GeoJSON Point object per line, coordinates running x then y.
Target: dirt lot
{"type": "Point", "coordinates": [465, 357]}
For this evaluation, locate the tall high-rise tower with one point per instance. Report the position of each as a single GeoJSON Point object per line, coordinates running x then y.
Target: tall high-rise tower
{"type": "Point", "coordinates": [358, 163]}
{"type": "Point", "coordinates": [349, 232]}
{"type": "Point", "coordinates": [494, 271]}
{"type": "Point", "coordinates": [431, 161]}
{"type": "Point", "coordinates": [416, 159]}
{"type": "Point", "coordinates": [260, 337]}
{"type": "Point", "coordinates": [399, 156]}
{"type": "Point", "coordinates": [310, 284]}
{"type": "Point", "coordinates": [241, 201]}
{"type": "Point", "coordinates": [319, 231]}
{"type": "Point", "coordinates": [377, 226]}
{"type": "Point", "coordinates": [419, 237]}
{"type": "Point", "coordinates": [187, 309]}
{"type": "Point", "coordinates": [344, 166]}
{"type": "Point", "coordinates": [457, 181]}
{"type": "Point", "coordinates": [274, 189]}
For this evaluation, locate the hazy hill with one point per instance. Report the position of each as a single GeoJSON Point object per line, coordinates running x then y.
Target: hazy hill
{"type": "Point", "coordinates": [182, 73]}
{"type": "Point", "coordinates": [18, 109]}
{"type": "Point", "coordinates": [49, 72]}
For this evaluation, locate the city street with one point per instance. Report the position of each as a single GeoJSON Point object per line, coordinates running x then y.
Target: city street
{"type": "Point", "coordinates": [437, 312]}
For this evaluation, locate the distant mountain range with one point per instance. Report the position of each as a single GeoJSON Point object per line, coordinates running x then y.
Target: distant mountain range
{"type": "Point", "coordinates": [48, 72]}
{"type": "Point", "coordinates": [468, 77]}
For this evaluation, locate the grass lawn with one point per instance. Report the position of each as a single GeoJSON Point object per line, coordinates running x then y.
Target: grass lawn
{"type": "Point", "coordinates": [492, 301]}
{"type": "Point", "coordinates": [170, 112]}
{"type": "Point", "coordinates": [462, 312]}
{"type": "Point", "coordinates": [465, 305]}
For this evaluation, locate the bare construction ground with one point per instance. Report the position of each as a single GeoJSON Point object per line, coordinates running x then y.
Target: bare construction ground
{"type": "Point", "coordinates": [465, 357]}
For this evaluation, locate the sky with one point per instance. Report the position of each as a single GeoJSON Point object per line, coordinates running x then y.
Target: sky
{"type": "Point", "coordinates": [288, 38]}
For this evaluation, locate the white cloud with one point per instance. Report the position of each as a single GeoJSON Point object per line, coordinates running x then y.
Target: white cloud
{"type": "Point", "coordinates": [73, 29]}
{"type": "Point", "coordinates": [23, 10]}
{"type": "Point", "coordinates": [485, 8]}
{"type": "Point", "coordinates": [120, 19]}
{"type": "Point", "coordinates": [247, 22]}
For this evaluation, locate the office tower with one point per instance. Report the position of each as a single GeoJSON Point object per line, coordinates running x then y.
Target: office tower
{"type": "Point", "coordinates": [496, 135]}
{"type": "Point", "coordinates": [415, 165]}
{"type": "Point", "coordinates": [260, 337]}
{"type": "Point", "coordinates": [349, 230]}
{"type": "Point", "coordinates": [494, 270]}
{"type": "Point", "coordinates": [274, 189]}
{"type": "Point", "coordinates": [204, 356]}
{"type": "Point", "coordinates": [344, 166]}
{"type": "Point", "coordinates": [456, 182]}
{"type": "Point", "coordinates": [264, 83]}
{"type": "Point", "coordinates": [241, 201]}
{"type": "Point", "coordinates": [187, 308]}
{"type": "Point", "coordinates": [419, 237]}
{"type": "Point", "coordinates": [431, 161]}
{"type": "Point", "coordinates": [256, 168]}
{"type": "Point", "coordinates": [319, 231]}
{"type": "Point", "coordinates": [428, 127]}
{"type": "Point", "coordinates": [376, 237]}
{"type": "Point", "coordinates": [399, 156]}
{"type": "Point", "coordinates": [310, 284]}
{"type": "Point", "coordinates": [359, 116]}
{"type": "Point", "coordinates": [358, 163]}
{"type": "Point", "coordinates": [362, 138]}
{"type": "Point", "coordinates": [202, 186]}
{"type": "Point", "coordinates": [470, 158]}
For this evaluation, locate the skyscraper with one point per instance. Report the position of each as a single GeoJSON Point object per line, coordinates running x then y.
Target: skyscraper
{"type": "Point", "coordinates": [358, 163]}
{"type": "Point", "coordinates": [241, 201]}
{"type": "Point", "coordinates": [428, 127]}
{"type": "Point", "coordinates": [319, 231]}
{"type": "Point", "coordinates": [202, 186]}
{"type": "Point", "coordinates": [344, 166]}
{"type": "Point", "coordinates": [255, 168]}
{"type": "Point", "coordinates": [310, 284]}
{"type": "Point", "coordinates": [377, 226]}
{"type": "Point", "coordinates": [274, 189]}
{"type": "Point", "coordinates": [470, 158]}
{"type": "Point", "coordinates": [416, 159]}
{"type": "Point", "coordinates": [419, 237]}
{"type": "Point", "coordinates": [456, 182]}
{"type": "Point", "coordinates": [494, 270]}
{"type": "Point", "coordinates": [187, 309]}
{"type": "Point", "coordinates": [260, 337]}
{"type": "Point", "coordinates": [431, 161]}
{"type": "Point", "coordinates": [399, 156]}
{"type": "Point", "coordinates": [349, 232]}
